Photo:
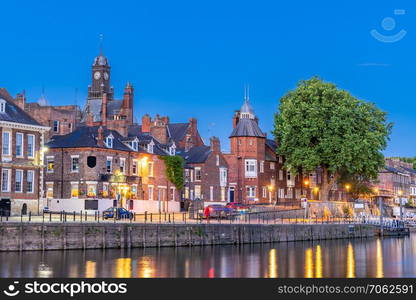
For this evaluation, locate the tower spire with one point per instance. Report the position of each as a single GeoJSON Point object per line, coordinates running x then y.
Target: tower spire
{"type": "Point", "coordinates": [101, 43]}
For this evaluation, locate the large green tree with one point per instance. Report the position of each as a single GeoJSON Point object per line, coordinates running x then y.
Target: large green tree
{"type": "Point", "coordinates": [321, 127]}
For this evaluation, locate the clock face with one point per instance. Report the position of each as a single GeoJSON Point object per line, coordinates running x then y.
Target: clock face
{"type": "Point", "coordinates": [105, 75]}
{"type": "Point", "coordinates": [97, 75]}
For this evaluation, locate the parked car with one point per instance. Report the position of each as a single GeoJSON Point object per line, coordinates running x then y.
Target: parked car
{"type": "Point", "coordinates": [46, 210]}
{"type": "Point", "coordinates": [218, 211]}
{"type": "Point", "coordinates": [239, 207]}
{"type": "Point", "coordinates": [118, 213]}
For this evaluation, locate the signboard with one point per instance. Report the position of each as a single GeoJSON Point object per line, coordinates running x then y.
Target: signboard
{"type": "Point", "coordinates": [359, 205]}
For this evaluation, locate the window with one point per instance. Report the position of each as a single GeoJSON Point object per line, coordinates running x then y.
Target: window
{"type": "Point", "coordinates": [251, 191]}
{"type": "Point", "coordinates": [91, 161]}
{"type": "Point", "coordinates": [49, 190]}
{"type": "Point", "coordinates": [172, 150]}
{"type": "Point", "coordinates": [74, 190]}
{"type": "Point", "coordinates": [6, 143]}
{"type": "Point", "coordinates": [198, 191]}
{"type": "Point", "coordinates": [222, 193]}
{"type": "Point", "coordinates": [134, 191]}
{"type": "Point", "coordinates": [223, 176]}
{"type": "Point", "coordinates": [5, 180]}
{"type": "Point", "coordinates": [75, 164]}
{"type": "Point", "coordinates": [30, 180]}
{"type": "Point", "coordinates": [2, 106]}
{"type": "Point", "coordinates": [91, 189]}
{"type": "Point", "coordinates": [272, 165]}
{"type": "Point", "coordinates": [134, 145]}
{"type": "Point", "coordinates": [50, 164]}
{"type": "Point", "coordinates": [172, 194]}
{"type": "Point", "coordinates": [150, 146]}
{"type": "Point", "coordinates": [211, 193]}
{"type": "Point", "coordinates": [262, 166]}
{"type": "Point", "coordinates": [105, 190]}
{"type": "Point", "coordinates": [281, 193]}
{"type": "Point", "coordinates": [30, 145]}
{"type": "Point", "coordinates": [109, 164]}
{"type": "Point", "coordinates": [151, 189]}
{"type": "Point", "coordinates": [217, 158]}
{"type": "Point", "coordinates": [280, 159]}
{"type": "Point", "coordinates": [109, 141]}
{"type": "Point", "coordinates": [280, 174]}
{"type": "Point", "coordinates": [251, 168]}
{"type": "Point", "coordinates": [134, 167]}
{"type": "Point", "coordinates": [70, 127]}
{"type": "Point", "coordinates": [264, 192]}
{"type": "Point", "coordinates": [197, 174]}
{"type": "Point", "coordinates": [289, 177]}
{"type": "Point", "coordinates": [289, 193]}
{"type": "Point", "coordinates": [150, 169]}
{"type": "Point", "coordinates": [18, 187]}
{"type": "Point", "coordinates": [19, 144]}
{"type": "Point", "coordinates": [122, 165]}
{"type": "Point", "coordinates": [55, 126]}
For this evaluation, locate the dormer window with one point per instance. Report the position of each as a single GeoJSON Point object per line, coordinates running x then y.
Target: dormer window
{"type": "Point", "coordinates": [135, 145]}
{"type": "Point", "coordinates": [2, 106]}
{"type": "Point", "coordinates": [109, 141]}
{"type": "Point", "coordinates": [150, 146]}
{"type": "Point", "coordinates": [172, 150]}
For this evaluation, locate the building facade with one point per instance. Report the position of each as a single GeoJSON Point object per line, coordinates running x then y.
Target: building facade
{"type": "Point", "coordinates": [21, 156]}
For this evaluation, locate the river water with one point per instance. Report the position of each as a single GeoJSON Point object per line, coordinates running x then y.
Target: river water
{"type": "Point", "coordinates": [388, 257]}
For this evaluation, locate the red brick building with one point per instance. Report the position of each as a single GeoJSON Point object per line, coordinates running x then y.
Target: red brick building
{"type": "Point", "coordinates": [21, 159]}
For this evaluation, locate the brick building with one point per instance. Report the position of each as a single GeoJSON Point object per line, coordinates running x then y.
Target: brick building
{"type": "Point", "coordinates": [94, 168]}
{"type": "Point", "coordinates": [21, 143]}
{"type": "Point", "coordinates": [206, 172]}
{"type": "Point", "coordinates": [256, 173]}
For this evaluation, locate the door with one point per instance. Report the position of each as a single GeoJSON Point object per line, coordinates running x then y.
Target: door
{"type": "Point", "coordinates": [24, 209]}
{"type": "Point", "coordinates": [231, 197]}
{"type": "Point", "coordinates": [5, 206]}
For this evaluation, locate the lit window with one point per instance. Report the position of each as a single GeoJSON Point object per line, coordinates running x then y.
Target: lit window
{"type": "Point", "coordinates": [134, 167]}
{"type": "Point", "coordinates": [18, 187]}
{"type": "Point", "coordinates": [75, 164]}
{"type": "Point", "coordinates": [19, 144]}
{"type": "Point", "coordinates": [264, 191]}
{"type": "Point", "coordinates": [6, 143]}
{"type": "Point", "coordinates": [197, 191]}
{"type": "Point", "coordinates": [30, 179]}
{"type": "Point", "coordinates": [50, 164]}
{"type": "Point", "coordinates": [91, 190]}
{"type": "Point", "coordinates": [74, 190]}
{"type": "Point", "coordinates": [198, 174]}
{"type": "Point", "coordinates": [30, 145]}
{"type": "Point", "coordinates": [251, 168]}
{"type": "Point", "coordinates": [150, 169]}
{"type": "Point", "coordinates": [5, 180]}
{"type": "Point", "coordinates": [49, 190]}
{"type": "Point", "coordinates": [105, 190]}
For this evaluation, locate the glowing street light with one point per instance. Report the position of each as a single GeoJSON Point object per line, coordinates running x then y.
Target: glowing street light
{"type": "Point", "coordinates": [348, 187]}
{"type": "Point", "coordinates": [306, 182]}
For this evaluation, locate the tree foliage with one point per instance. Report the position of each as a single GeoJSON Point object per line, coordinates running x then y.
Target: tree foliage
{"type": "Point", "coordinates": [174, 170]}
{"type": "Point", "coordinates": [319, 126]}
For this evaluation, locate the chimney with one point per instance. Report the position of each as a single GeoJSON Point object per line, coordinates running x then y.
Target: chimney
{"type": "Point", "coordinates": [165, 120]}
{"type": "Point", "coordinates": [100, 137]}
{"type": "Point", "coordinates": [146, 123]}
{"type": "Point", "coordinates": [20, 100]}
{"type": "Point", "coordinates": [235, 119]}
{"type": "Point", "coordinates": [128, 96]}
{"type": "Point", "coordinates": [104, 110]}
{"type": "Point", "coordinates": [215, 144]}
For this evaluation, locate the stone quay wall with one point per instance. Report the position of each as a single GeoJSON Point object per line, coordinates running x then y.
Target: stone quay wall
{"type": "Point", "coordinates": [38, 236]}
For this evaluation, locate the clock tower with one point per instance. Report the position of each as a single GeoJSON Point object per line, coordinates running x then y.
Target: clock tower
{"type": "Point", "coordinates": [100, 78]}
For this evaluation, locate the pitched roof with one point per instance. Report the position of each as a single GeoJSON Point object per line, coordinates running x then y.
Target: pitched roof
{"type": "Point", "coordinates": [86, 136]}
{"type": "Point", "coordinates": [15, 114]}
{"type": "Point", "coordinates": [272, 144]}
{"type": "Point", "coordinates": [113, 107]}
{"type": "Point", "coordinates": [194, 155]}
{"type": "Point", "coordinates": [177, 131]}
{"type": "Point", "coordinates": [247, 127]}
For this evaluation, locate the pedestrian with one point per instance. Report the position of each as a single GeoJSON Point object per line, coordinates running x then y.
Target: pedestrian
{"type": "Point", "coordinates": [206, 213]}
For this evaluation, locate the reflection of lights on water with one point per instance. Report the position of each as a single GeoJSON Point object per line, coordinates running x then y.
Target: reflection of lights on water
{"type": "Point", "coordinates": [146, 268]}
{"type": "Point", "coordinates": [309, 263]}
{"type": "Point", "coordinates": [90, 269]}
{"type": "Point", "coordinates": [350, 262]}
{"type": "Point", "coordinates": [123, 268]}
{"type": "Point", "coordinates": [272, 263]}
{"type": "Point", "coordinates": [44, 271]}
{"type": "Point", "coordinates": [379, 260]}
{"type": "Point", "coordinates": [211, 273]}
{"type": "Point", "coordinates": [187, 268]}
{"type": "Point", "coordinates": [318, 262]}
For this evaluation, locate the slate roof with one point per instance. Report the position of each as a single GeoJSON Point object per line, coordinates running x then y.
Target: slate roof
{"type": "Point", "coordinates": [195, 155]}
{"type": "Point", "coordinates": [246, 107]}
{"type": "Point", "coordinates": [177, 131]}
{"type": "Point", "coordinates": [392, 170]}
{"type": "Point", "coordinates": [113, 107]}
{"type": "Point", "coordinates": [247, 127]}
{"type": "Point", "coordinates": [272, 144]}
{"type": "Point", "coordinates": [409, 170]}
{"type": "Point", "coordinates": [93, 106]}
{"type": "Point", "coordinates": [86, 136]}
{"type": "Point", "coordinates": [15, 114]}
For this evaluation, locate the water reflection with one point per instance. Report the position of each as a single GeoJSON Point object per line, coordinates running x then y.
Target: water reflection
{"type": "Point", "coordinates": [391, 257]}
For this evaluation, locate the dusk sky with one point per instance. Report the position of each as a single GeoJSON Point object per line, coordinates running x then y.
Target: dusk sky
{"type": "Point", "coordinates": [192, 59]}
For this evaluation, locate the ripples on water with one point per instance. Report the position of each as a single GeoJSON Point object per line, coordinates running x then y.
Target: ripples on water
{"type": "Point", "coordinates": [389, 257]}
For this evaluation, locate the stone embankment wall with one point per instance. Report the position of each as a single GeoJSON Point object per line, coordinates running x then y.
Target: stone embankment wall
{"type": "Point", "coordinates": [19, 237]}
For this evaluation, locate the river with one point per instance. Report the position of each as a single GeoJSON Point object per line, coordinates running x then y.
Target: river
{"type": "Point", "coordinates": [388, 257]}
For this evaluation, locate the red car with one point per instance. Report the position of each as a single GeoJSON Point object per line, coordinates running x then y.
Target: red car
{"type": "Point", "coordinates": [240, 207]}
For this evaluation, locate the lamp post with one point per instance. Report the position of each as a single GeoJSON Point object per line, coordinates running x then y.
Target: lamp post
{"type": "Point", "coordinates": [380, 205]}
{"type": "Point", "coordinates": [271, 188]}
{"type": "Point", "coordinates": [400, 193]}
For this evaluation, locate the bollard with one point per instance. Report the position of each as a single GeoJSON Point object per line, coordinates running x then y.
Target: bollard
{"type": "Point", "coordinates": [50, 216]}
{"type": "Point", "coordinates": [145, 216]}
{"type": "Point", "coordinates": [74, 216]}
{"type": "Point", "coordinates": [30, 215]}
{"type": "Point", "coordinates": [151, 217]}
{"type": "Point", "coordinates": [173, 218]}
{"type": "Point", "coordinates": [134, 217]}
{"type": "Point", "coordinates": [21, 217]}
{"type": "Point", "coordinates": [86, 216]}
{"type": "Point", "coordinates": [43, 217]}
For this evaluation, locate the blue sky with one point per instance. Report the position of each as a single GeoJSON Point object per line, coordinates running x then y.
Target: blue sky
{"type": "Point", "coordinates": [192, 59]}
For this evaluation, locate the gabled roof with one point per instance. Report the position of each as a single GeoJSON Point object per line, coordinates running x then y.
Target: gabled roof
{"type": "Point", "coordinates": [177, 131]}
{"type": "Point", "coordinates": [86, 136]}
{"type": "Point", "coordinates": [15, 114]}
{"type": "Point", "coordinates": [247, 127]}
{"type": "Point", "coordinates": [195, 155]}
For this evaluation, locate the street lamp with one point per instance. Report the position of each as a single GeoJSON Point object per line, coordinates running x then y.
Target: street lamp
{"type": "Point", "coordinates": [271, 188]}
{"type": "Point", "coordinates": [400, 193]}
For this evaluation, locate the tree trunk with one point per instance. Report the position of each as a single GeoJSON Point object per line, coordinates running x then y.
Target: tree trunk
{"type": "Point", "coordinates": [326, 185]}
